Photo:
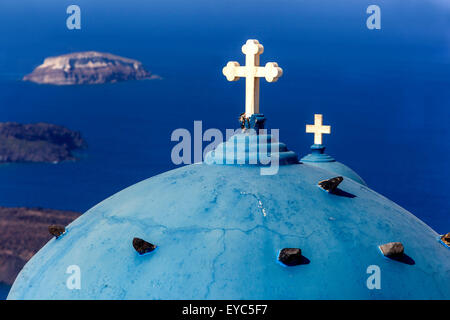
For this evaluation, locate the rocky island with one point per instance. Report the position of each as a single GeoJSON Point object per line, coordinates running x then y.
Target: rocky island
{"type": "Point", "coordinates": [23, 231]}
{"type": "Point", "coordinates": [39, 142]}
{"type": "Point", "coordinates": [89, 67]}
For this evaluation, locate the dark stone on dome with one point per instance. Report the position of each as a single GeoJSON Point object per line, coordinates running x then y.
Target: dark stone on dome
{"type": "Point", "coordinates": [291, 256]}
{"type": "Point", "coordinates": [392, 249]}
{"type": "Point", "coordinates": [330, 185]}
{"type": "Point", "coordinates": [142, 246]}
{"type": "Point", "coordinates": [56, 230]}
{"type": "Point", "coordinates": [446, 239]}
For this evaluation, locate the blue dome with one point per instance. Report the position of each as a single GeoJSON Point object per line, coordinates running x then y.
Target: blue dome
{"type": "Point", "coordinates": [319, 159]}
{"type": "Point", "coordinates": [219, 229]}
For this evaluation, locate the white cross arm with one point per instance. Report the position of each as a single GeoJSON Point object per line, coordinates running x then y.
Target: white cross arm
{"type": "Point", "coordinates": [271, 71]}
{"type": "Point", "coordinates": [233, 71]}
{"type": "Point", "coordinates": [318, 128]}
{"type": "Point", "coordinates": [310, 128]}
{"type": "Point", "coordinates": [252, 72]}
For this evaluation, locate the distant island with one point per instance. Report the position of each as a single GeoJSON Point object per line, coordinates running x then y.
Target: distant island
{"type": "Point", "coordinates": [39, 142]}
{"type": "Point", "coordinates": [89, 67]}
{"type": "Point", "coordinates": [23, 231]}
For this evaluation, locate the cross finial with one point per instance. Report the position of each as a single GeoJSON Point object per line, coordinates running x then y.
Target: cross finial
{"type": "Point", "coordinates": [318, 129]}
{"type": "Point", "coordinates": [252, 72]}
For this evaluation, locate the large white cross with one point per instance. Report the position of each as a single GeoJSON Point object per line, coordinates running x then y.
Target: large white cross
{"type": "Point", "coordinates": [252, 72]}
{"type": "Point", "coordinates": [318, 129]}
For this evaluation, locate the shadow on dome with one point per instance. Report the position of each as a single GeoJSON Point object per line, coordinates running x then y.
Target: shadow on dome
{"type": "Point", "coordinates": [404, 258]}
{"type": "Point", "coordinates": [303, 260]}
{"type": "Point", "coordinates": [342, 193]}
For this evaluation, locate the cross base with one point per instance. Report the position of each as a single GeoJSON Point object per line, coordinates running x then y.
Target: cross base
{"type": "Point", "coordinates": [317, 148]}
{"type": "Point", "coordinates": [318, 154]}
{"type": "Point", "coordinates": [256, 121]}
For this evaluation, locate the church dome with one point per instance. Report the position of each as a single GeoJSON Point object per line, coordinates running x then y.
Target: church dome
{"type": "Point", "coordinates": [251, 222]}
{"type": "Point", "coordinates": [219, 230]}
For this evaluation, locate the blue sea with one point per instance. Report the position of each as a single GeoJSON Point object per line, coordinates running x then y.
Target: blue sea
{"type": "Point", "coordinates": [384, 92]}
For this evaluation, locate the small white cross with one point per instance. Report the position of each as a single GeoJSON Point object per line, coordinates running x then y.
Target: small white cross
{"type": "Point", "coordinates": [318, 129]}
{"type": "Point", "coordinates": [252, 72]}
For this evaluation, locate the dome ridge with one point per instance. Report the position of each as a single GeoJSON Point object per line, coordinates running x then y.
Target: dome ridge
{"type": "Point", "coordinates": [249, 148]}
{"type": "Point", "coordinates": [318, 155]}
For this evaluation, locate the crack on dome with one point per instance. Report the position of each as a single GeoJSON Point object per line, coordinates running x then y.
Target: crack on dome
{"type": "Point", "coordinates": [213, 266]}
{"type": "Point", "coordinates": [141, 224]}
